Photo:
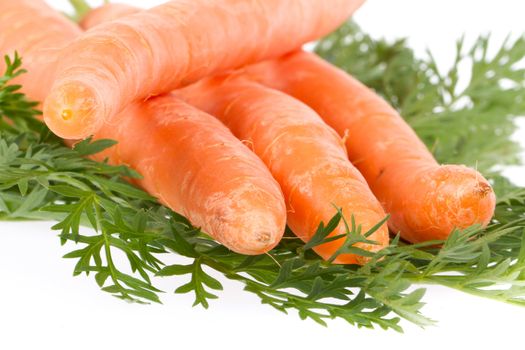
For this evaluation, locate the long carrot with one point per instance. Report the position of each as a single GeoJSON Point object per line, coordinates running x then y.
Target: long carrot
{"type": "Point", "coordinates": [194, 165]}
{"type": "Point", "coordinates": [174, 44]}
{"type": "Point", "coordinates": [188, 159]}
{"type": "Point", "coordinates": [106, 13]}
{"type": "Point", "coordinates": [307, 157]}
{"type": "Point", "coordinates": [426, 200]}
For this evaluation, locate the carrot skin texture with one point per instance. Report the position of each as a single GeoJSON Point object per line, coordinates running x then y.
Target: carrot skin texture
{"type": "Point", "coordinates": [172, 45]}
{"type": "Point", "coordinates": [106, 13]}
{"type": "Point", "coordinates": [194, 165]}
{"type": "Point", "coordinates": [307, 157]}
{"type": "Point", "coordinates": [188, 159]}
{"type": "Point", "coordinates": [40, 47]}
{"type": "Point", "coordinates": [426, 200]}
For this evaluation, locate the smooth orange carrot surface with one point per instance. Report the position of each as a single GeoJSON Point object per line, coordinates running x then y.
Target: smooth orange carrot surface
{"type": "Point", "coordinates": [188, 159]}
{"type": "Point", "coordinates": [174, 44]}
{"type": "Point", "coordinates": [194, 165]}
{"type": "Point", "coordinates": [307, 157]}
{"type": "Point", "coordinates": [426, 200]}
{"type": "Point", "coordinates": [106, 13]}
{"type": "Point", "coordinates": [20, 30]}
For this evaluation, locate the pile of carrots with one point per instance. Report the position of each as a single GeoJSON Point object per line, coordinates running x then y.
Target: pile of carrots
{"type": "Point", "coordinates": [235, 127]}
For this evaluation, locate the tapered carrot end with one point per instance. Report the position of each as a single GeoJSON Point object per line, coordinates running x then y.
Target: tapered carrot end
{"type": "Point", "coordinates": [261, 229]}
{"type": "Point", "coordinates": [457, 197]}
{"type": "Point", "coordinates": [471, 198]}
{"type": "Point", "coordinates": [253, 233]}
{"type": "Point", "coordinates": [249, 220]}
{"type": "Point", "coordinates": [72, 111]}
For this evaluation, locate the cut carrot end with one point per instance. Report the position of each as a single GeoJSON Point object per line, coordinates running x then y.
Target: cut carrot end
{"type": "Point", "coordinates": [66, 114]}
{"type": "Point", "coordinates": [457, 198]}
{"type": "Point", "coordinates": [483, 189]}
{"type": "Point", "coordinates": [72, 111]}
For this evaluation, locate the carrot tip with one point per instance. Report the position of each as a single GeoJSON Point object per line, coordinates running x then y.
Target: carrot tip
{"type": "Point", "coordinates": [73, 110]}
{"type": "Point", "coordinates": [66, 114]}
{"type": "Point", "coordinates": [459, 198]}
{"type": "Point", "coordinates": [264, 237]}
{"type": "Point", "coordinates": [483, 189]}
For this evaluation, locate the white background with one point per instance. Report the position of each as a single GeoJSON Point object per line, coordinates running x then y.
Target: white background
{"type": "Point", "coordinates": [43, 307]}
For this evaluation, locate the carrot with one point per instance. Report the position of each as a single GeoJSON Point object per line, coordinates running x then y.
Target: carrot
{"type": "Point", "coordinates": [195, 166]}
{"type": "Point", "coordinates": [307, 157]}
{"type": "Point", "coordinates": [40, 47]}
{"type": "Point", "coordinates": [174, 44]}
{"type": "Point", "coordinates": [106, 13]}
{"type": "Point", "coordinates": [426, 200]}
{"type": "Point", "coordinates": [188, 159]}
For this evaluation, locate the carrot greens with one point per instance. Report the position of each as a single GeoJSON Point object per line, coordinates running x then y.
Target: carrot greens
{"type": "Point", "coordinates": [98, 213]}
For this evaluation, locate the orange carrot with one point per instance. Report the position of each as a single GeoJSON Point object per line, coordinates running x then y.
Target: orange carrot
{"type": "Point", "coordinates": [188, 159]}
{"type": "Point", "coordinates": [426, 200]}
{"type": "Point", "coordinates": [39, 46]}
{"type": "Point", "coordinates": [194, 165]}
{"type": "Point", "coordinates": [106, 13]}
{"type": "Point", "coordinates": [174, 44]}
{"type": "Point", "coordinates": [307, 157]}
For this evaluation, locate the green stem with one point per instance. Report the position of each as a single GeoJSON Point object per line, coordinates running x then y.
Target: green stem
{"type": "Point", "coordinates": [107, 250]}
{"type": "Point", "coordinates": [439, 281]}
{"type": "Point", "coordinates": [81, 8]}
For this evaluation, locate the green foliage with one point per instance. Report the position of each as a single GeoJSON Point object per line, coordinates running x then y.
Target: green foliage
{"type": "Point", "coordinates": [461, 122]}
{"type": "Point", "coordinates": [42, 179]}
{"type": "Point", "coordinates": [18, 113]}
{"type": "Point", "coordinates": [81, 8]}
